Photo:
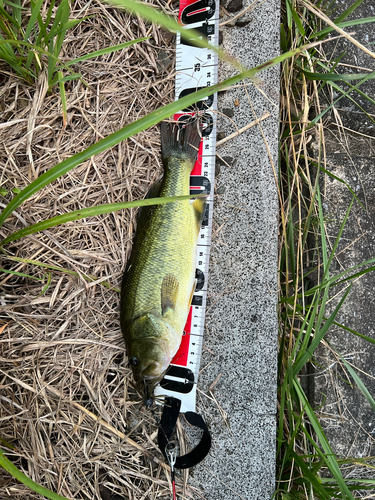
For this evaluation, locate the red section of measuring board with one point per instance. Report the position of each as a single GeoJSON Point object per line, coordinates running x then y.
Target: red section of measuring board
{"type": "Point", "coordinates": [197, 170]}
{"type": "Point", "coordinates": [181, 357]}
{"type": "Point", "coordinates": [192, 11]}
{"type": "Point", "coordinates": [183, 5]}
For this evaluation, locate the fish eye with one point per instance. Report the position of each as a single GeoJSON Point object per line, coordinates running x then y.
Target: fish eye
{"type": "Point", "coordinates": [133, 361]}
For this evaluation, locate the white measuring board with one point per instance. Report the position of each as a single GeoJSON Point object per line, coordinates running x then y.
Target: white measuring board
{"type": "Point", "coordinates": [196, 68]}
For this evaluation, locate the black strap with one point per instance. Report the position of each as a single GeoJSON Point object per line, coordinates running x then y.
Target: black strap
{"type": "Point", "coordinates": [167, 425]}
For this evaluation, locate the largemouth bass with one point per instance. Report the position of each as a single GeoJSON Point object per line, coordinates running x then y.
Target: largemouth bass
{"type": "Point", "coordinates": [159, 278]}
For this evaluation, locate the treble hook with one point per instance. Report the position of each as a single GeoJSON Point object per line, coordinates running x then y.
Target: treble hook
{"type": "Point", "coordinates": [171, 453]}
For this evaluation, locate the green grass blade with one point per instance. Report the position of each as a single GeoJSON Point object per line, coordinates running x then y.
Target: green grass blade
{"type": "Point", "coordinates": [298, 22]}
{"type": "Point", "coordinates": [356, 275]}
{"type": "Point", "coordinates": [43, 24]}
{"type": "Point", "coordinates": [88, 277]}
{"type": "Point", "coordinates": [290, 391]}
{"type": "Point", "coordinates": [6, 47]}
{"type": "Point", "coordinates": [91, 212]}
{"type": "Point", "coordinates": [134, 128]}
{"type": "Point", "coordinates": [16, 4]}
{"type": "Point", "coordinates": [304, 356]}
{"type": "Point", "coordinates": [61, 17]}
{"type": "Point", "coordinates": [344, 94]}
{"type": "Point", "coordinates": [306, 327]}
{"type": "Point", "coordinates": [335, 245]}
{"type": "Point", "coordinates": [19, 274]}
{"type": "Point", "coordinates": [361, 386]}
{"type": "Point", "coordinates": [291, 438]}
{"type": "Point", "coordinates": [29, 60]}
{"type": "Point", "coordinates": [21, 43]}
{"type": "Point", "coordinates": [290, 226]}
{"type": "Point", "coordinates": [289, 16]}
{"type": "Point", "coordinates": [52, 60]}
{"type": "Point", "coordinates": [50, 12]}
{"type": "Point", "coordinates": [322, 234]}
{"type": "Point", "coordinates": [354, 480]}
{"type": "Point", "coordinates": [335, 280]}
{"type": "Point", "coordinates": [333, 77]}
{"type": "Point", "coordinates": [326, 261]}
{"type": "Point", "coordinates": [329, 455]}
{"type": "Point", "coordinates": [345, 24]}
{"type": "Point", "coordinates": [356, 89]}
{"type": "Point", "coordinates": [61, 30]}
{"type": "Point", "coordinates": [311, 478]}
{"type": "Point", "coordinates": [9, 57]}
{"type": "Point", "coordinates": [348, 11]}
{"type": "Point", "coordinates": [57, 35]}
{"type": "Point", "coordinates": [362, 94]}
{"type": "Point", "coordinates": [17, 11]}
{"type": "Point", "coordinates": [46, 286]}
{"type": "Point", "coordinates": [281, 417]}
{"type": "Point", "coordinates": [283, 39]}
{"type": "Point", "coordinates": [63, 97]}
{"type": "Point", "coordinates": [12, 469]}
{"type": "Point", "coordinates": [354, 332]}
{"type": "Point", "coordinates": [330, 174]}
{"type": "Point", "coordinates": [9, 18]}
{"type": "Point", "coordinates": [35, 12]}
{"type": "Point", "coordinates": [58, 78]}
{"type": "Point", "coordinates": [8, 445]}
{"type": "Point", "coordinates": [107, 50]}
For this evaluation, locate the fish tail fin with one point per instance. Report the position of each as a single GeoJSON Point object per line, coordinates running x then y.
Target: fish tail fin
{"type": "Point", "coordinates": [180, 142]}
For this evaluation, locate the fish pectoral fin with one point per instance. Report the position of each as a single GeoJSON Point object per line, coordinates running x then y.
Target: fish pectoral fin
{"type": "Point", "coordinates": [199, 205]}
{"type": "Point", "coordinates": [169, 292]}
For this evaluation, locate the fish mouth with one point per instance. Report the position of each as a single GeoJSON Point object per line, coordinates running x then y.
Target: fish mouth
{"type": "Point", "coordinates": [148, 378]}
{"type": "Point", "coordinates": [151, 371]}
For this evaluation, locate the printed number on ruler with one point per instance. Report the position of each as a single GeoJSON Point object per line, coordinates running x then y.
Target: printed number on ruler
{"type": "Point", "coordinates": [196, 68]}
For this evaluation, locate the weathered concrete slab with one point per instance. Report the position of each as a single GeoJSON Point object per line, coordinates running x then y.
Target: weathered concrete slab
{"type": "Point", "coordinates": [347, 418]}
{"type": "Point", "coordinates": [241, 336]}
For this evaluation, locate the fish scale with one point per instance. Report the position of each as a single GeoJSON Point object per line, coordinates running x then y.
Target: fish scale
{"type": "Point", "coordinates": [196, 68]}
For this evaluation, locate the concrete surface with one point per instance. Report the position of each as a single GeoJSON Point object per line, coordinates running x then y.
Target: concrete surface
{"type": "Point", "coordinates": [346, 417]}
{"type": "Point", "coordinates": [241, 334]}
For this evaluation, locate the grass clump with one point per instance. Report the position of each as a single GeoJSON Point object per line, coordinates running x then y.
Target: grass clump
{"type": "Point", "coordinates": [29, 34]}
{"type": "Point", "coordinates": [307, 464]}
{"type": "Point", "coordinates": [31, 40]}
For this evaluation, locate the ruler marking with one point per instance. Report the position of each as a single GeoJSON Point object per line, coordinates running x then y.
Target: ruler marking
{"type": "Point", "coordinates": [196, 67]}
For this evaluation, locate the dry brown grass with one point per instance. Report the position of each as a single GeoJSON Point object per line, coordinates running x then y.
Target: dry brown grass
{"type": "Point", "coordinates": [65, 400]}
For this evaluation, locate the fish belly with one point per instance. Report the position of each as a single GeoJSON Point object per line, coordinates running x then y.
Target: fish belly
{"type": "Point", "coordinates": [167, 248]}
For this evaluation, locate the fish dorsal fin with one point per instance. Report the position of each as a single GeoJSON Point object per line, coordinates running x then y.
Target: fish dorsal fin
{"type": "Point", "coordinates": [169, 292]}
